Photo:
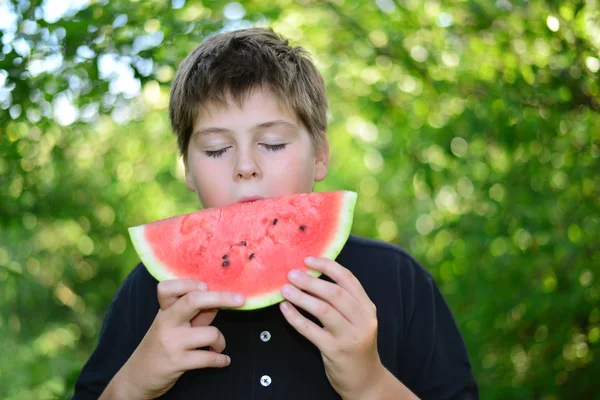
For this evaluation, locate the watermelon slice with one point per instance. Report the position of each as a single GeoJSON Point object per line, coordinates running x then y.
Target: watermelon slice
{"type": "Point", "coordinates": [247, 247]}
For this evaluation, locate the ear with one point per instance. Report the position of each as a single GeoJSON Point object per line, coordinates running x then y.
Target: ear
{"type": "Point", "coordinates": [189, 182]}
{"type": "Point", "coordinates": [322, 161]}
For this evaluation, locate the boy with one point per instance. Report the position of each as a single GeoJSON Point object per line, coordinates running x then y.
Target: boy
{"type": "Point", "coordinates": [249, 113]}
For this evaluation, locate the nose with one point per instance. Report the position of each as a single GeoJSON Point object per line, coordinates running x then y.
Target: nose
{"type": "Point", "coordinates": [246, 167]}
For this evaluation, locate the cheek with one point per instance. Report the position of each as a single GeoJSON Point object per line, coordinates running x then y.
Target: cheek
{"type": "Point", "coordinates": [210, 193]}
{"type": "Point", "coordinates": [295, 172]}
{"type": "Point", "coordinates": [208, 181]}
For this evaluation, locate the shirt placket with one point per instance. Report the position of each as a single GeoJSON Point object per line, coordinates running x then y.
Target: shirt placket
{"type": "Point", "coordinates": [264, 361]}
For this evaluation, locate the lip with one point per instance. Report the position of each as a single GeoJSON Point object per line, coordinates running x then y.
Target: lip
{"type": "Point", "coordinates": [248, 199]}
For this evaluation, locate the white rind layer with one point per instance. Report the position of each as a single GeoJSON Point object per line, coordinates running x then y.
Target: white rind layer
{"type": "Point", "coordinates": [161, 272]}
{"type": "Point", "coordinates": [346, 217]}
{"type": "Point", "coordinates": [156, 268]}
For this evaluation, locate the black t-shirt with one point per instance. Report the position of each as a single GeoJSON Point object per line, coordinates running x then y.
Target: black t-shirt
{"type": "Point", "coordinates": [418, 340]}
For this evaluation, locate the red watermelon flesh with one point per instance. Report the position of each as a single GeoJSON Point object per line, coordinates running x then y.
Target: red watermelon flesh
{"type": "Point", "coordinates": [250, 247]}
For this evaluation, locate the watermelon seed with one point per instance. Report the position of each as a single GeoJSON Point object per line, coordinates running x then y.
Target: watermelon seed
{"type": "Point", "coordinates": [226, 263]}
{"type": "Point", "coordinates": [225, 257]}
{"type": "Point", "coordinates": [243, 243]}
{"type": "Point", "coordinates": [275, 221]}
{"type": "Point", "coordinates": [302, 228]}
{"type": "Point", "coordinates": [251, 256]}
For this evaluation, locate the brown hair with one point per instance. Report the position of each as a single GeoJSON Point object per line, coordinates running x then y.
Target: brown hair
{"type": "Point", "coordinates": [238, 62]}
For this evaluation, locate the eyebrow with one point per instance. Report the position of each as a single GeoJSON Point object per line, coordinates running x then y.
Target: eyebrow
{"type": "Point", "coordinates": [256, 128]}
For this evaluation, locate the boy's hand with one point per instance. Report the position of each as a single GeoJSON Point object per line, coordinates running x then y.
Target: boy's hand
{"type": "Point", "coordinates": [171, 290]}
{"type": "Point", "coordinates": [348, 339]}
{"type": "Point", "coordinates": [169, 347]}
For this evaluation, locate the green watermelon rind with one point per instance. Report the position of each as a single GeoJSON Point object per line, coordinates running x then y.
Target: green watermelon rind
{"type": "Point", "coordinates": [156, 268]}
{"type": "Point", "coordinates": [160, 271]}
{"type": "Point", "coordinates": [346, 218]}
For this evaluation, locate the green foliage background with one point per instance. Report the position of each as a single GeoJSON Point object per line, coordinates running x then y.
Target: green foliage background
{"type": "Point", "coordinates": [469, 128]}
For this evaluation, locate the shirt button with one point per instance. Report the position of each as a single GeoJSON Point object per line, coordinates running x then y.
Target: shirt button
{"type": "Point", "coordinates": [265, 336]}
{"type": "Point", "coordinates": [265, 380]}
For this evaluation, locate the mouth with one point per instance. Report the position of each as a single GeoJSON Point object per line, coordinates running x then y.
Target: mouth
{"type": "Point", "coordinates": [248, 199]}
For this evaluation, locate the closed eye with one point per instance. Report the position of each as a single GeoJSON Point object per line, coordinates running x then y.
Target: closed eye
{"type": "Point", "coordinates": [219, 153]}
{"type": "Point", "coordinates": [275, 147]}
{"type": "Point", "coordinates": [216, 153]}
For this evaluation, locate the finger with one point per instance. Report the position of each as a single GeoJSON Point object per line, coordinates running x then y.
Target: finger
{"type": "Point", "coordinates": [342, 276]}
{"type": "Point", "coordinates": [204, 359]}
{"type": "Point", "coordinates": [331, 318]}
{"type": "Point", "coordinates": [170, 290]}
{"type": "Point", "coordinates": [189, 305]}
{"type": "Point", "coordinates": [204, 317]}
{"type": "Point", "coordinates": [329, 292]}
{"type": "Point", "coordinates": [314, 333]}
{"type": "Point", "coordinates": [205, 336]}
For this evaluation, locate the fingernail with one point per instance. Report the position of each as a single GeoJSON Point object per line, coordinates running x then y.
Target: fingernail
{"type": "Point", "coordinates": [309, 260]}
{"type": "Point", "coordinates": [294, 274]}
{"type": "Point", "coordinates": [287, 289]}
{"type": "Point", "coordinates": [228, 360]}
{"type": "Point", "coordinates": [238, 298]}
{"type": "Point", "coordinates": [202, 286]}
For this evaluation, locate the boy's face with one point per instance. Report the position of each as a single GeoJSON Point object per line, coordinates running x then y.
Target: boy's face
{"type": "Point", "coordinates": [259, 150]}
